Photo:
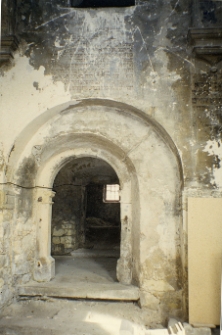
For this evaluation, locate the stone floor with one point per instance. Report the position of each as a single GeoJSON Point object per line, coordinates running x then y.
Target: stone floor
{"type": "Point", "coordinates": [75, 303]}
{"type": "Point", "coordinates": [83, 278]}
{"type": "Point", "coordinates": [67, 317]}
{"type": "Point", "coordinates": [88, 282]}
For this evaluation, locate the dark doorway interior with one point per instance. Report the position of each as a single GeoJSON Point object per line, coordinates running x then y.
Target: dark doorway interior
{"type": "Point", "coordinates": [80, 217]}
{"type": "Point", "coordinates": [102, 219]}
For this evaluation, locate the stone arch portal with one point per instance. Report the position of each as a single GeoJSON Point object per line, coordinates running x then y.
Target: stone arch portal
{"type": "Point", "coordinates": [44, 267]}
{"type": "Point", "coordinates": [140, 151]}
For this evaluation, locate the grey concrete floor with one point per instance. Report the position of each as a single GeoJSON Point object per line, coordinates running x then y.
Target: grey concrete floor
{"type": "Point", "coordinates": [83, 278]}
{"type": "Point", "coordinates": [85, 282]}
{"type": "Point", "coordinates": [66, 317]}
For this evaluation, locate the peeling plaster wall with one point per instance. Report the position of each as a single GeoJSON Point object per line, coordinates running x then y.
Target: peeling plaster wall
{"type": "Point", "coordinates": [147, 234]}
{"type": "Point", "coordinates": [137, 56]}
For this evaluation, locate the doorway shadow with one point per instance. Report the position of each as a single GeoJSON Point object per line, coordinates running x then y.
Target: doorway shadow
{"type": "Point", "coordinates": [85, 269]}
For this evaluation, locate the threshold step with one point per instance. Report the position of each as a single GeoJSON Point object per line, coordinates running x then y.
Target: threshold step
{"type": "Point", "coordinates": [115, 292]}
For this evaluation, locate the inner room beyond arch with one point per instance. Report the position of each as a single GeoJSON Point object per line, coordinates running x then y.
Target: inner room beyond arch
{"type": "Point", "coordinates": [84, 225]}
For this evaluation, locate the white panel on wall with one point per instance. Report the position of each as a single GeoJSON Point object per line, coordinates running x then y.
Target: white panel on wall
{"type": "Point", "coordinates": [204, 259]}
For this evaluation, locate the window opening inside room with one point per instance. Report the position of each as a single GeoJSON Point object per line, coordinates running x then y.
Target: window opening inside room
{"type": "Point", "coordinates": [111, 193]}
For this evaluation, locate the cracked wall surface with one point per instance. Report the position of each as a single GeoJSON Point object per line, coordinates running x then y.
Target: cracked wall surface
{"type": "Point", "coordinates": [140, 56]}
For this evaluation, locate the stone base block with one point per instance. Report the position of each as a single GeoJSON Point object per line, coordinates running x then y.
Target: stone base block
{"type": "Point", "coordinates": [123, 271]}
{"type": "Point", "coordinates": [44, 269]}
{"type": "Point", "coordinates": [189, 330]}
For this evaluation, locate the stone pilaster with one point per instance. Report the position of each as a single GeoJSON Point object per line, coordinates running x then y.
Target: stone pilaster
{"type": "Point", "coordinates": [44, 264]}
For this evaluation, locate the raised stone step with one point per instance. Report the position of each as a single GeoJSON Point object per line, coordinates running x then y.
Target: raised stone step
{"type": "Point", "coordinates": [93, 291]}
{"type": "Point", "coordinates": [82, 278]}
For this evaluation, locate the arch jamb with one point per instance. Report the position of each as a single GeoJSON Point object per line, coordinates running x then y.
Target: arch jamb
{"type": "Point", "coordinates": [44, 264]}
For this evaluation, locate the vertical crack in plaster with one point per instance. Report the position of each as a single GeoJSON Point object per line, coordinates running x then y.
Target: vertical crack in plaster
{"type": "Point", "coordinates": [145, 46]}
{"type": "Point", "coordinates": [177, 3]}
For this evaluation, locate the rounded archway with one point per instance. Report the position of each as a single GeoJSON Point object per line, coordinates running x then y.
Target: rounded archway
{"type": "Point", "coordinates": [140, 152]}
{"type": "Point", "coordinates": [44, 268]}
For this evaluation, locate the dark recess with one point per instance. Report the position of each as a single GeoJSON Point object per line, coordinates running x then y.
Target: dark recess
{"type": "Point", "coordinates": [208, 8]}
{"type": "Point", "coordinates": [101, 3]}
{"type": "Point", "coordinates": [98, 212]}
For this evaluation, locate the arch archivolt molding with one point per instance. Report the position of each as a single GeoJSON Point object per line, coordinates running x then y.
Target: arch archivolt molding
{"type": "Point", "coordinates": [140, 152]}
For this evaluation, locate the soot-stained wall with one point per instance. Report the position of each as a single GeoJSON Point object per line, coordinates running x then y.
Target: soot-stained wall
{"type": "Point", "coordinates": [139, 54]}
{"type": "Point", "coordinates": [162, 58]}
{"type": "Point", "coordinates": [80, 218]}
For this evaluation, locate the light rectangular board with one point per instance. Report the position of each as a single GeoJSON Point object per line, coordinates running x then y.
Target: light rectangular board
{"type": "Point", "coordinates": [204, 259]}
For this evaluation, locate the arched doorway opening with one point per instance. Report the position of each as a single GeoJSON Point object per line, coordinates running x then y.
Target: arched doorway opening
{"type": "Point", "coordinates": [152, 249]}
{"type": "Point", "coordinates": [44, 269]}
{"type": "Point", "coordinates": [86, 212]}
